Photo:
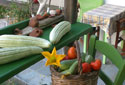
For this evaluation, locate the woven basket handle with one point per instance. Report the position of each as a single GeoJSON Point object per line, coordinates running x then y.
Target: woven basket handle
{"type": "Point", "coordinates": [78, 57]}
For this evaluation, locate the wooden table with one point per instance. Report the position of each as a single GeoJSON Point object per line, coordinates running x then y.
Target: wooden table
{"type": "Point", "coordinates": [105, 17]}
{"type": "Point", "coordinates": [11, 69]}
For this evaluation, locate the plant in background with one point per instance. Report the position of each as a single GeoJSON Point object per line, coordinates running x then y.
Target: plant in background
{"type": "Point", "coordinates": [19, 13]}
{"type": "Point", "coordinates": [15, 12]}
{"type": "Point", "coordinates": [2, 11]}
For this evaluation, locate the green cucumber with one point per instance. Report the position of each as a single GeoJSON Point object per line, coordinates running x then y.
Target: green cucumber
{"type": "Point", "coordinates": [65, 64]}
{"type": "Point", "coordinates": [71, 69]}
{"type": "Point", "coordinates": [11, 54]}
{"type": "Point", "coordinates": [89, 59]}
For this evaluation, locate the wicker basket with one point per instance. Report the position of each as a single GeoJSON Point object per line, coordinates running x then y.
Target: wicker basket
{"type": "Point", "coordinates": [81, 79]}
{"type": "Point", "coordinates": [84, 79]}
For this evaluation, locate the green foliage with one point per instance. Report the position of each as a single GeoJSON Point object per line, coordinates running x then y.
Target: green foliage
{"type": "Point", "coordinates": [2, 11]}
{"type": "Point", "coordinates": [19, 12]}
{"type": "Point", "coordinates": [15, 11]}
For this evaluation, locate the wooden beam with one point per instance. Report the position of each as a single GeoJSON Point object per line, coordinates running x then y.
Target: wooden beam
{"type": "Point", "coordinates": [70, 10]}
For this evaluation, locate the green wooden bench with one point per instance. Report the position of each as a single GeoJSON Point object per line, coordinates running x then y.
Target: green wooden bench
{"type": "Point", "coordinates": [11, 69]}
{"type": "Point", "coordinates": [110, 52]}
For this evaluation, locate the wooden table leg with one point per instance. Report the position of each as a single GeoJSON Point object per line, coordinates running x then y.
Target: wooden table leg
{"type": "Point", "coordinates": [105, 40]}
{"type": "Point", "coordinates": [85, 44]}
{"type": "Point", "coordinates": [98, 31]}
{"type": "Point", "coordinates": [123, 49]}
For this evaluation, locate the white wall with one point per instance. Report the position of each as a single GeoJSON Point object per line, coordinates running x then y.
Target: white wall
{"type": "Point", "coordinates": [116, 2]}
{"type": "Point", "coordinates": [57, 2]}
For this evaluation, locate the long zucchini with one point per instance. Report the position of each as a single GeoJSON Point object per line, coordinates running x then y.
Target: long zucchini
{"type": "Point", "coordinates": [11, 54]}
{"type": "Point", "coordinates": [20, 41]}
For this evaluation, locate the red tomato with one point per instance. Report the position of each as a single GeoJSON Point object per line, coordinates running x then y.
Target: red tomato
{"type": "Point", "coordinates": [72, 53]}
{"type": "Point", "coordinates": [96, 65]}
{"type": "Point", "coordinates": [35, 1]}
{"type": "Point", "coordinates": [86, 67]}
{"type": "Point", "coordinates": [65, 58]}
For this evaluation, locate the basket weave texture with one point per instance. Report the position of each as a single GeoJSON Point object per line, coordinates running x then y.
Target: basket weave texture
{"type": "Point", "coordinates": [84, 79]}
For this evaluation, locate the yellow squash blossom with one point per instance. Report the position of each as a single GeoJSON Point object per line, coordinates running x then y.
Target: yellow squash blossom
{"type": "Point", "coordinates": [52, 58]}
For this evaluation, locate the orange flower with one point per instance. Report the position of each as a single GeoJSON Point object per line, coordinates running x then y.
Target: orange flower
{"type": "Point", "coordinates": [52, 58]}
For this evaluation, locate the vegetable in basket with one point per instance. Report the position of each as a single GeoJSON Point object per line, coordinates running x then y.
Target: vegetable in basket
{"type": "Point", "coordinates": [86, 67]}
{"type": "Point", "coordinates": [66, 64]}
{"type": "Point", "coordinates": [72, 54]}
{"type": "Point", "coordinates": [89, 58]}
{"type": "Point", "coordinates": [96, 65]}
{"type": "Point", "coordinates": [71, 69]}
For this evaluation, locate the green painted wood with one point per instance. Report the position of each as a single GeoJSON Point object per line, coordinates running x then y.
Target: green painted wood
{"type": "Point", "coordinates": [85, 44]}
{"type": "Point", "coordinates": [120, 76]}
{"type": "Point", "coordinates": [91, 50]}
{"type": "Point", "coordinates": [105, 78]}
{"type": "Point", "coordinates": [105, 40]}
{"type": "Point", "coordinates": [11, 69]}
{"type": "Point", "coordinates": [10, 29]}
{"type": "Point", "coordinates": [110, 52]}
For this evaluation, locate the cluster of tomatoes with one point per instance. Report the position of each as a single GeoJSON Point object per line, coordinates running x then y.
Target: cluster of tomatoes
{"type": "Point", "coordinates": [87, 67]}
{"type": "Point", "coordinates": [94, 65]}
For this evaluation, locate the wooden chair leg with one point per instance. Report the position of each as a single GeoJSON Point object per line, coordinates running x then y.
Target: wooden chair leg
{"type": "Point", "coordinates": [122, 54]}
{"type": "Point", "coordinates": [116, 41]}
{"type": "Point", "coordinates": [98, 31]}
{"type": "Point", "coordinates": [117, 34]}
{"type": "Point", "coordinates": [123, 46]}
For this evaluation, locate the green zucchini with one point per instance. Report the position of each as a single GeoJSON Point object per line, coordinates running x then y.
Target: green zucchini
{"type": "Point", "coordinates": [11, 54]}
{"type": "Point", "coordinates": [65, 64]}
{"type": "Point", "coordinates": [20, 41]}
{"type": "Point", "coordinates": [71, 69]}
{"type": "Point", "coordinates": [59, 31]}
